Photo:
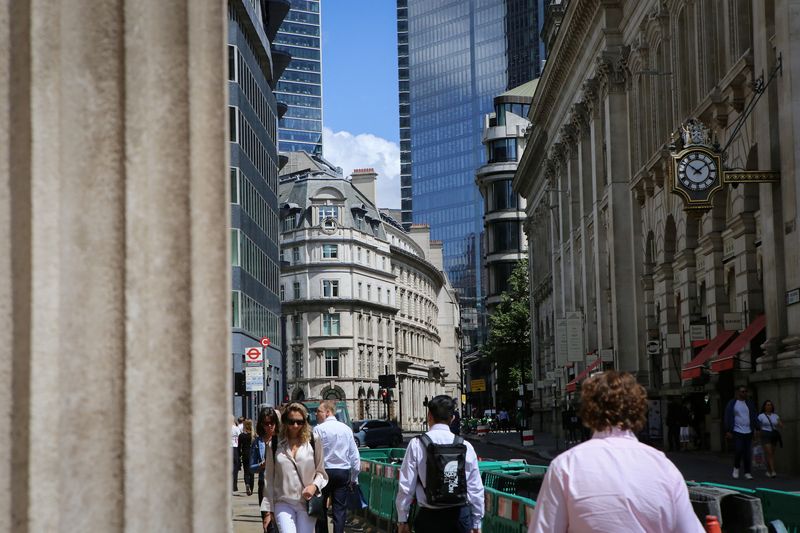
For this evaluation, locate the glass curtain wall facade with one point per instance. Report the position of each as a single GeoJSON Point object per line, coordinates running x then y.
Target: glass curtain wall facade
{"type": "Point", "coordinates": [300, 87]}
{"type": "Point", "coordinates": [252, 111]}
{"type": "Point", "coordinates": [453, 59]}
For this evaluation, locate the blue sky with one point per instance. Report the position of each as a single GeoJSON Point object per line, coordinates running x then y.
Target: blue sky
{"type": "Point", "coordinates": [359, 79]}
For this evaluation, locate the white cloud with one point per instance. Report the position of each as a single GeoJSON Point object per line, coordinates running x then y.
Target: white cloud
{"type": "Point", "coordinates": [349, 151]}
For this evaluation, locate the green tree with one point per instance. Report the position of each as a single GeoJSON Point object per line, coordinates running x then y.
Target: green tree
{"type": "Point", "coordinates": [509, 343]}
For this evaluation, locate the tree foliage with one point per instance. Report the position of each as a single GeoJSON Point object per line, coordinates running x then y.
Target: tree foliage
{"type": "Point", "coordinates": [509, 343]}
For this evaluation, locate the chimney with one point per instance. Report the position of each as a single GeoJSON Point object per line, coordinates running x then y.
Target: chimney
{"type": "Point", "coordinates": [364, 180]}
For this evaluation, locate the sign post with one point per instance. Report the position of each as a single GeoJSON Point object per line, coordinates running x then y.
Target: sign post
{"type": "Point", "coordinates": [254, 355]}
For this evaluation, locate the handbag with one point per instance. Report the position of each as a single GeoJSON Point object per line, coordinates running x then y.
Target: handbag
{"type": "Point", "coordinates": [758, 457]}
{"type": "Point", "coordinates": [355, 498]}
{"type": "Point", "coordinates": [314, 506]}
{"type": "Point", "coordinates": [776, 435]}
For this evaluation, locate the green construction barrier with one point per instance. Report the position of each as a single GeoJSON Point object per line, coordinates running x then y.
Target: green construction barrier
{"type": "Point", "coordinates": [783, 506]}
{"type": "Point", "coordinates": [506, 513]}
{"type": "Point", "coordinates": [383, 489]}
{"type": "Point", "coordinates": [521, 481]}
{"type": "Point", "coordinates": [743, 490]}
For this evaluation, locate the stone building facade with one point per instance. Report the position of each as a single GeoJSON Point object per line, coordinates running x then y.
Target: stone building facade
{"type": "Point", "coordinates": [694, 303]}
{"type": "Point", "coordinates": [360, 297]}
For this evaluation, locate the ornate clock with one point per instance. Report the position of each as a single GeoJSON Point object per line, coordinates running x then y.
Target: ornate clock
{"type": "Point", "coordinates": [696, 172]}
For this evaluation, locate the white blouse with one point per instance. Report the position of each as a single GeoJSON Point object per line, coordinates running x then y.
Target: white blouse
{"type": "Point", "coordinates": [282, 484]}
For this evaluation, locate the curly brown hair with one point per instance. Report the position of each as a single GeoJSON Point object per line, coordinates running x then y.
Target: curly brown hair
{"type": "Point", "coordinates": [613, 400]}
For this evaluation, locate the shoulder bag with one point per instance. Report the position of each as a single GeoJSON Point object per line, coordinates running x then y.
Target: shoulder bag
{"type": "Point", "coordinates": [314, 506]}
{"type": "Point", "coordinates": [776, 435]}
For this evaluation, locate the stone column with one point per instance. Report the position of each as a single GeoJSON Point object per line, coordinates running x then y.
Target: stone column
{"type": "Point", "coordinates": [114, 275]}
{"type": "Point", "coordinates": [612, 75]}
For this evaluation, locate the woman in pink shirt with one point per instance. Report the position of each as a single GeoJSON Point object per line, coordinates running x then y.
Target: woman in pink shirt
{"type": "Point", "coordinates": [613, 483]}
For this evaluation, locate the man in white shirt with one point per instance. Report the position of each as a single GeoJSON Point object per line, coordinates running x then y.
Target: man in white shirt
{"type": "Point", "coordinates": [464, 518]}
{"type": "Point", "coordinates": [740, 425]}
{"type": "Point", "coordinates": [342, 463]}
{"type": "Point", "coordinates": [235, 432]}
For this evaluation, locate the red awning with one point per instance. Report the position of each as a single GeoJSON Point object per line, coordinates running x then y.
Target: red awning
{"type": "Point", "coordinates": [727, 358]}
{"type": "Point", "coordinates": [572, 385]}
{"type": "Point", "coordinates": [694, 368]}
{"type": "Point", "coordinates": [698, 344]}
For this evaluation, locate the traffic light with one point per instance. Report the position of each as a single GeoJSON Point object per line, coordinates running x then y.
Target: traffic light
{"type": "Point", "coordinates": [385, 395]}
{"type": "Point", "coordinates": [425, 402]}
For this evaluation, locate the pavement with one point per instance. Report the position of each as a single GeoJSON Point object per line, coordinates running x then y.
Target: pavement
{"type": "Point", "coordinates": [694, 465]}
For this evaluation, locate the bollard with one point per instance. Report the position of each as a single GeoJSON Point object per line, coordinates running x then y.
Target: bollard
{"type": "Point", "coordinates": [527, 438]}
{"type": "Point", "coordinates": [483, 431]}
{"type": "Point", "coordinates": [712, 524]}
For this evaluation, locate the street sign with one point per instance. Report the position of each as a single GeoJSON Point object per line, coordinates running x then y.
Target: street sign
{"type": "Point", "coordinates": [673, 340]}
{"type": "Point", "coordinates": [254, 378]}
{"type": "Point", "coordinates": [732, 321]}
{"type": "Point", "coordinates": [477, 385]}
{"type": "Point", "coordinates": [463, 399]}
{"type": "Point", "coordinates": [574, 334]}
{"type": "Point", "coordinates": [653, 348]}
{"type": "Point", "coordinates": [607, 354]}
{"type": "Point", "coordinates": [254, 355]}
{"type": "Point", "coordinates": [697, 332]}
{"type": "Point", "coordinates": [265, 341]}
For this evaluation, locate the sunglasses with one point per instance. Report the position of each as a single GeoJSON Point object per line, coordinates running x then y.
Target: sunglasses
{"type": "Point", "coordinates": [295, 422]}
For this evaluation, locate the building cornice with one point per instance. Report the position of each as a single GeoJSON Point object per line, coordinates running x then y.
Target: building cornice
{"type": "Point", "coordinates": [339, 304]}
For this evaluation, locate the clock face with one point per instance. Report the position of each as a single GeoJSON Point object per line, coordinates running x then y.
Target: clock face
{"type": "Point", "coordinates": [697, 171]}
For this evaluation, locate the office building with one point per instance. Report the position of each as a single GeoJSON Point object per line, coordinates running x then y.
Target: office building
{"type": "Point", "coordinates": [253, 70]}
{"type": "Point", "coordinates": [362, 297]}
{"type": "Point", "coordinates": [300, 87]}
{"type": "Point", "coordinates": [453, 59]}
{"type": "Point", "coordinates": [696, 301]}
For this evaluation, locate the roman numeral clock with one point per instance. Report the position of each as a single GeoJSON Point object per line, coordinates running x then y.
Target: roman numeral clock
{"type": "Point", "coordinates": [697, 171]}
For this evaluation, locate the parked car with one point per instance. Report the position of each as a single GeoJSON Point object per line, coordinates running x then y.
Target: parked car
{"type": "Point", "coordinates": [374, 433]}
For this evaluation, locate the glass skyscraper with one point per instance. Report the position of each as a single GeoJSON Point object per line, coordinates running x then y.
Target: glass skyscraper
{"type": "Point", "coordinates": [300, 87]}
{"type": "Point", "coordinates": [454, 57]}
{"type": "Point", "coordinates": [253, 69]}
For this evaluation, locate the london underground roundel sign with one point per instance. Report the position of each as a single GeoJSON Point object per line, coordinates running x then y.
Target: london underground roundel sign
{"type": "Point", "coordinates": [254, 355]}
{"type": "Point", "coordinates": [265, 341]}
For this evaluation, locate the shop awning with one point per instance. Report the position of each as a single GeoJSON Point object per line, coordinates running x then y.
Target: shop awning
{"type": "Point", "coordinates": [694, 368]}
{"type": "Point", "coordinates": [573, 385]}
{"type": "Point", "coordinates": [727, 358]}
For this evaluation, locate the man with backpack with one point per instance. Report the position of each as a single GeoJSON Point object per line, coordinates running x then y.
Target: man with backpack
{"type": "Point", "coordinates": [440, 470]}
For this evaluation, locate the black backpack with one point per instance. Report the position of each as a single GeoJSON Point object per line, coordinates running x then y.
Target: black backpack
{"type": "Point", "coordinates": [445, 470]}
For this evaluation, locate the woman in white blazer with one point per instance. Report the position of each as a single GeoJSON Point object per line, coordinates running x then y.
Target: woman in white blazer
{"type": "Point", "coordinates": [294, 474]}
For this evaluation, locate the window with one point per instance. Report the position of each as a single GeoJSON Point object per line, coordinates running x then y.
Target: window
{"type": "Point", "coordinates": [369, 257]}
{"type": "Point", "coordinates": [288, 223]}
{"type": "Point", "coordinates": [360, 290]}
{"type": "Point", "coordinates": [503, 150]}
{"type": "Point", "coordinates": [330, 251]}
{"type": "Point", "coordinates": [383, 263]}
{"type": "Point", "coordinates": [504, 236]}
{"type": "Point", "coordinates": [358, 254]}
{"type": "Point", "coordinates": [283, 292]}
{"type": "Point", "coordinates": [502, 196]}
{"type": "Point", "coordinates": [328, 211]}
{"type": "Point", "coordinates": [330, 324]}
{"type": "Point", "coordinates": [380, 295]}
{"type": "Point", "coordinates": [369, 292]}
{"type": "Point", "coordinates": [234, 185]}
{"type": "Point", "coordinates": [330, 288]}
{"type": "Point", "coordinates": [298, 326]}
{"type": "Point", "coordinates": [236, 306]}
{"type": "Point", "coordinates": [296, 290]}
{"type": "Point", "coordinates": [295, 255]}
{"type": "Point", "coordinates": [332, 363]}
{"type": "Point", "coordinates": [358, 220]}
{"type": "Point", "coordinates": [235, 248]}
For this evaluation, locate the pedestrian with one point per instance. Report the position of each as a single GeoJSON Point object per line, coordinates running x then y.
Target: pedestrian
{"type": "Point", "coordinates": [342, 463]}
{"type": "Point", "coordinates": [502, 417]}
{"type": "Point", "coordinates": [240, 423]}
{"type": "Point", "coordinates": [740, 425]}
{"type": "Point", "coordinates": [673, 426]}
{"type": "Point", "coordinates": [294, 474]}
{"type": "Point", "coordinates": [267, 427]}
{"type": "Point", "coordinates": [685, 420]}
{"type": "Point", "coordinates": [770, 424]}
{"type": "Point", "coordinates": [449, 500]}
{"type": "Point", "coordinates": [455, 425]}
{"type": "Point", "coordinates": [246, 439]}
{"type": "Point", "coordinates": [237, 465]}
{"type": "Point", "coordinates": [613, 482]}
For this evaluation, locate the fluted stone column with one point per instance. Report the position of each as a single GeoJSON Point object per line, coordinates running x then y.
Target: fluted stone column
{"type": "Point", "coordinates": [114, 276]}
